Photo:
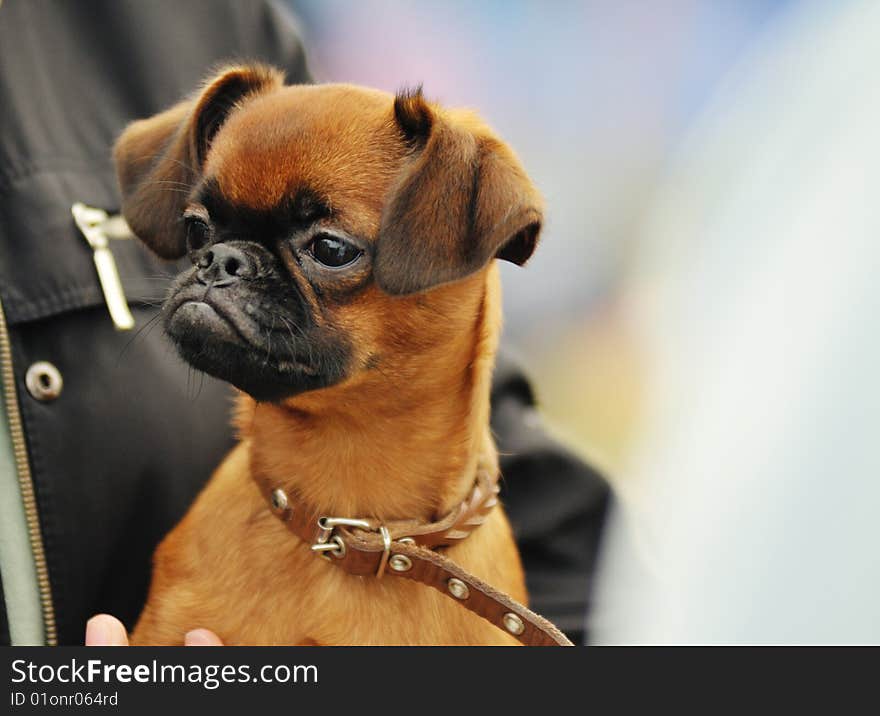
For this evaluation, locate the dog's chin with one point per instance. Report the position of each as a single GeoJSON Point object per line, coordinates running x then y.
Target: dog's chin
{"type": "Point", "coordinates": [211, 343]}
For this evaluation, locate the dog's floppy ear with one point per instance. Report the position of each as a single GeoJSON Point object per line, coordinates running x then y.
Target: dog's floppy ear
{"type": "Point", "coordinates": [160, 159]}
{"type": "Point", "coordinates": [461, 200]}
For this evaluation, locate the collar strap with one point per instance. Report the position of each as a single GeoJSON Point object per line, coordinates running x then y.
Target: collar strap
{"type": "Point", "coordinates": [404, 548]}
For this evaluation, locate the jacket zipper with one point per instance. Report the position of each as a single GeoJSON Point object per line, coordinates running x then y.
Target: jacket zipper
{"type": "Point", "coordinates": [25, 482]}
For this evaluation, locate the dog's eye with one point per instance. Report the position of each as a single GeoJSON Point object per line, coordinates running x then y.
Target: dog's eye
{"type": "Point", "coordinates": [198, 233]}
{"type": "Point", "coordinates": [332, 251]}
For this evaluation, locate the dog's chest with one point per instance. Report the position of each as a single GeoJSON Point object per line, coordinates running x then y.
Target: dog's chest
{"type": "Point", "coordinates": [233, 566]}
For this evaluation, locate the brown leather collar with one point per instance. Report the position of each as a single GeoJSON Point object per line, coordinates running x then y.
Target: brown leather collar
{"type": "Point", "coordinates": [405, 548]}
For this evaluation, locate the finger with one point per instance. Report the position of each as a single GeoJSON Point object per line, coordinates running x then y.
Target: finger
{"type": "Point", "coordinates": [201, 637]}
{"type": "Point", "coordinates": [104, 630]}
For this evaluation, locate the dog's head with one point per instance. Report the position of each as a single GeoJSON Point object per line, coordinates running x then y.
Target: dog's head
{"type": "Point", "coordinates": [320, 222]}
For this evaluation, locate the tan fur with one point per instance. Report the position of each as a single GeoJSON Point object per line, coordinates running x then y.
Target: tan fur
{"type": "Point", "coordinates": [233, 566]}
{"type": "Point", "coordinates": [398, 438]}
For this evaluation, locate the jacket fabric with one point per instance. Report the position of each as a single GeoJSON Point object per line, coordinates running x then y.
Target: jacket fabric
{"type": "Point", "coordinates": [117, 457]}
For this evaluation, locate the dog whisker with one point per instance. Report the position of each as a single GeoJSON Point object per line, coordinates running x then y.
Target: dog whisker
{"type": "Point", "coordinates": [143, 331]}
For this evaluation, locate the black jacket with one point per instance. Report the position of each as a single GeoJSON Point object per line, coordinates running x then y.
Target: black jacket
{"type": "Point", "coordinates": [117, 457]}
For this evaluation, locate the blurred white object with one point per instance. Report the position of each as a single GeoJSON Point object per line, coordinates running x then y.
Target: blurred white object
{"type": "Point", "coordinates": [754, 513]}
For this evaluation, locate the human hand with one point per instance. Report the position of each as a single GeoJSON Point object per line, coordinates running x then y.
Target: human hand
{"type": "Point", "coordinates": [105, 630]}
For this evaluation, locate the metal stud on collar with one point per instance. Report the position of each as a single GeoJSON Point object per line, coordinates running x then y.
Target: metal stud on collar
{"type": "Point", "coordinates": [457, 588]}
{"type": "Point", "coordinates": [400, 563]}
{"type": "Point", "coordinates": [513, 624]}
{"type": "Point", "coordinates": [279, 500]}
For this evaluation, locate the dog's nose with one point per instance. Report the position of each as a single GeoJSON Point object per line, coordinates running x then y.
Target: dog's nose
{"type": "Point", "coordinates": [222, 264]}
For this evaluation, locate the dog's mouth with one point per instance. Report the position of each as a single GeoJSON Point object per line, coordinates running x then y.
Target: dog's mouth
{"type": "Point", "coordinates": [219, 338]}
{"type": "Point", "coordinates": [215, 322]}
{"type": "Point", "coordinates": [205, 318]}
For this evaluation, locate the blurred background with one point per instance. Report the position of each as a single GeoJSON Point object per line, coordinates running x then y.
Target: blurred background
{"type": "Point", "coordinates": [595, 96]}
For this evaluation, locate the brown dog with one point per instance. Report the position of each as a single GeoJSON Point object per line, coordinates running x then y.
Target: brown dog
{"type": "Point", "coordinates": [342, 243]}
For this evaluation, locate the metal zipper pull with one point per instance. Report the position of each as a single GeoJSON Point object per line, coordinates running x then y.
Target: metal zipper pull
{"type": "Point", "coordinates": [96, 225]}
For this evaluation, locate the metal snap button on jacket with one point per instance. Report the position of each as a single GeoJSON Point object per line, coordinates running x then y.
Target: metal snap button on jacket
{"type": "Point", "coordinates": [43, 381]}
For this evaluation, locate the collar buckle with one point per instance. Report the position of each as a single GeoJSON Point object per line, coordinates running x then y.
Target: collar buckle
{"type": "Point", "coordinates": [327, 543]}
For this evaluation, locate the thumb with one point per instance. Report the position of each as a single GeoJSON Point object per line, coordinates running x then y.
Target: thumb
{"type": "Point", "coordinates": [104, 630]}
{"type": "Point", "coordinates": [201, 637]}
